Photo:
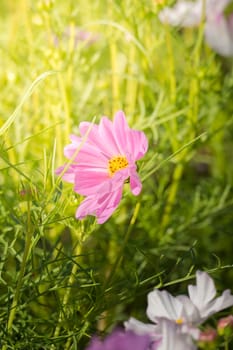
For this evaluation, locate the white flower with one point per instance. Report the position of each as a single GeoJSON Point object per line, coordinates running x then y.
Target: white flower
{"type": "Point", "coordinates": [188, 312]}
{"type": "Point", "coordinates": [184, 14]}
{"type": "Point", "coordinates": [172, 339]}
{"type": "Point", "coordinates": [219, 34]}
{"type": "Point", "coordinates": [203, 296]}
{"type": "Point", "coordinates": [165, 335]}
{"type": "Point", "coordinates": [180, 316]}
{"type": "Point", "coordinates": [218, 26]}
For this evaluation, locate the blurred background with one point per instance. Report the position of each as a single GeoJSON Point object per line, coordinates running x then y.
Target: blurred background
{"type": "Point", "coordinates": [65, 62]}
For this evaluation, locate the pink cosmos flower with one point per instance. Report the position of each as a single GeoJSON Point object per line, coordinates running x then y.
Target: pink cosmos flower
{"type": "Point", "coordinates": [106, 159]}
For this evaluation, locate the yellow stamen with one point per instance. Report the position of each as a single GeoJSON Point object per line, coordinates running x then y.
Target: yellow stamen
{"type": "Point", "coordinates": [117, 163]}
{"type": "Point", "coordinates": [179, 321]}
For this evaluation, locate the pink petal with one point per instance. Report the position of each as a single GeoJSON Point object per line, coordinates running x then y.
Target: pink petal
{"type": "Point", "coordinates": [95, 139]}
{"type": "Point", "coordinates": [69, 175]}
{"type": "Point", "coordinates": [137, 144]}
{"type": "Point", "coordinates": [132, 143]}
{"type": "Point", "coordinates": [121, 129]}
{"type": "Point", "coordinates": [106, 133]}
{"type": "Point", "coordinates": [135, 183]}
{"type": "Point", "coordinates": [100, 206]}
{"type": "Point", "coordinates": [88, 182]}
{"type": "Point", "coordinates": [84, 126]}
{"type": "Point", "coordinates": [109, 206]}
{"type": "Point", "coordinates": [87, 207]}
{"type": "Point", "coordinates": [86, 154]}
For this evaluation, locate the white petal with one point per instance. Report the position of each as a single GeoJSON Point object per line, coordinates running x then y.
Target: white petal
{"type": "Point", "coordinates": [190, 313]}
{"type": "Point", "coordinates": [172, 339]}
{"type": "Point", "coordinates": [218, 304]}
{"type": "Point", "coordinates": [193, 331]}
{"type": "Point", "coordinates": [203, 292]}
{"type": "Point", "coordinates": [216, 6]}
{"type": "Point", "coordinates": [219, 34]}
{"type": "Point", "coordinates": [163, 304]}
{"type": "Point", "coordinates": [141, 328]}
{"type": "Point", "coordinates": [184, 13]}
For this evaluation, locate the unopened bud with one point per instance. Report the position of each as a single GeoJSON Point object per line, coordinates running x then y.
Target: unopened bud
{"type": "Point", "coordinates": [225, 322]}
{"type": "Point", "coordinates": [208, 336]}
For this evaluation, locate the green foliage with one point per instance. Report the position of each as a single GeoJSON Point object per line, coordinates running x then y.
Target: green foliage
{"type": "Point", "coordinates": [61, 280]}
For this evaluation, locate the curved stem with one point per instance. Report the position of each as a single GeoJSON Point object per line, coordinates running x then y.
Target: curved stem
{"type": "Point", "coordinates": [65, 300]}
{"type": "Point", "coordinates": [26, 254]}
{"type": "Point", "coordinates": [126, 238]}
{"type": "Point", "coordinates": [172, 195]}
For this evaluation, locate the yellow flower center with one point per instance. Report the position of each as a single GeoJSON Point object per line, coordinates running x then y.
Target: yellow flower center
{"type": "Point", "coordinates": [179, 321]}
{"type": "Point", "coordinates": [117, 163]}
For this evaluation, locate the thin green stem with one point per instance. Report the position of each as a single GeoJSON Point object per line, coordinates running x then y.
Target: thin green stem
{"type": "Point", "coordinates": [177, 174]}
{"type": "Point", "coordinates": [115, 80]}
{"type": "Point", "coordinates": [126, 238]}
{"type": "Point", "coordinates": [26, 254]}
{"type": "Point", "coordinates": [66, 105]}
{"type": "Point", "coordinates": [194, 84]}
{"type": "Point", "coordinates": [118, 261]}
{"type": "Point", "coordinates": [65, 301]}
{"type": "Point", "coordinates": [172, 81]}
{"type": "Point", "coordinates": [132, 83]}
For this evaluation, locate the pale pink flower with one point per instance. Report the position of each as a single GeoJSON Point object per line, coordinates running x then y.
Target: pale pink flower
{"type": "Point", "coordinates": [120, 340]}
{"type": "Point", "coordinates": [106, 159]}
{"type": "Point", "coordinates": [208, 336]}
{"type": "Point", "coordinates": [225, 322]}
{"type": "Point", "coordinates": [78, 35]}
{"type": "Point", "coordinates": [218, 25]}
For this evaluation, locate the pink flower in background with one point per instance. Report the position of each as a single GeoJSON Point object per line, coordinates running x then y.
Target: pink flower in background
{"type": "Point", "coordinates": [218, 25]}
{"type": "Point", "coordinates": [78, 35]}
{"type": "Point", "coordinates": [121, 340]}
{"type": "Point", "coordinates": [225, 322]}
{"type": "Point", "coordinates": [106, 159]}
{"type": "Point", "coordinates": [208, 336]}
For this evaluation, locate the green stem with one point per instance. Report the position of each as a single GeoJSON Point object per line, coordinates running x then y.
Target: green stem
{"type": "Point", "coordinates": [172, 80]}
{"type": "Point", "coordinates": [115, 80]}
{"type": "Point", "coordinates": [26, 254]}
{"type": "Point", "coordinates": [117, 263]}
{"type": "Point", "coordinates": [177, 174]}
{"type": "Point", "coordinates": [126, 238]}
{"type": "Point", "coordinates": [194, 85]}
{"type": "Point", "coordinates": [65, 100]}
{"type": "Point", "coordinates": [132, 84]}
{"type": "Point", "coordinates": [65, 301]}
